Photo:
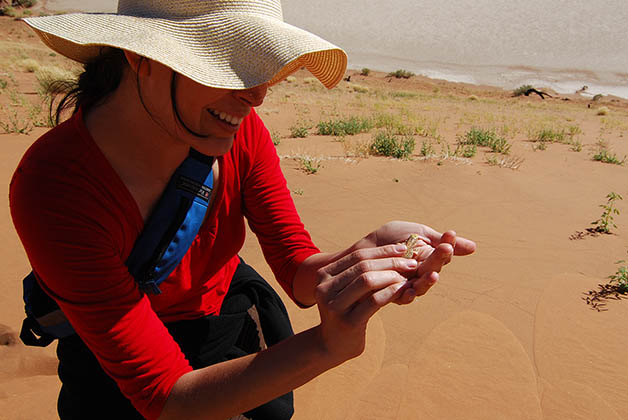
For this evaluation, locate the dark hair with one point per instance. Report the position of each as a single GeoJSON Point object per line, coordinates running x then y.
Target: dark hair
{"type": "Point", "coordinates": [100, 78]}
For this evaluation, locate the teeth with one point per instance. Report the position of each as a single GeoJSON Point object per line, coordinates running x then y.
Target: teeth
{"type": "Point", "coordinates": [233, 120]}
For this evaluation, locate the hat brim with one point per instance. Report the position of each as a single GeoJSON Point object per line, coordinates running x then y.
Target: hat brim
{"type": "Point", "coordinates": [230, 51]}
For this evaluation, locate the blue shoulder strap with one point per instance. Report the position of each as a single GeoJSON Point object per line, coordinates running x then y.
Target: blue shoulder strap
{"type": "Point", "coordinates": [167, 235]}
{"type": "Point", "coordinates": [173, 224]}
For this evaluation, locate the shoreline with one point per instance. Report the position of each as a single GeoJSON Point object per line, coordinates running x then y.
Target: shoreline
{"type": "Point", "coordinates": [507, 77]}
{"type": "Point", "coordinates": [562, 81]}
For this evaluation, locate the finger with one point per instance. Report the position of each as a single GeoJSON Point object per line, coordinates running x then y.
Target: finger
{"type": "Point", "coordinates": [367, 307]}
{"type": "Point", "coordinates": [424, 283]}
{"type": "Point", "coordinates": [355, 257]}
{"type": "Point", "coordinates": [418, 287]}
{"type": "Point", "coordinates": [464, 246]}
{"type": "Point", "coordinates": [388, 272]}
{"type": "Point", "coordinates": [441, 256]}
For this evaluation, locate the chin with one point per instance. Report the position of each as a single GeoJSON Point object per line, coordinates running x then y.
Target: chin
{"type": "Point", "coordinates": [213, 146]}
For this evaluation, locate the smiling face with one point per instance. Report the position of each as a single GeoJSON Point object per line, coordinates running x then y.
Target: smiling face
{"type": "Point", "coordinates": [208, 118]}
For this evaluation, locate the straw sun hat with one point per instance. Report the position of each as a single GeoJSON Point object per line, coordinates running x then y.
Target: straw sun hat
{"type": "Point", "coordinates": [231, 44]}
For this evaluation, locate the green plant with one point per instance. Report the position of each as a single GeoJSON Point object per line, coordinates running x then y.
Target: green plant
{"type": "Point", "coordinates": [365, 71]}
{"type": "Point", "coordinates": [486, 138]}
{"type": "Point", "coordinates": [297, 191]}
{"type": "Point", "coordinates": [549, 135]}
{"type": "Point", "coordinates": [466, 150]}
{"type": "Point", "coordinates": [343, 127]}
{"type": "Point", "coordinates": [8, 11]}
{"type": "Point", "coordinates": [603, 110]}
{"type": "Point", "coordinates": [604, 223]}
{"type": "Point", "coordinates": [521, 90]}
{"type": "Point", "coordinates": [597, 97]}
{"type": "Point", "coordinates": [576, 146]}
{"type": "Point", "coordinates": [401, 74]}
{"type": "Point", "coordinates": [309, 165]}
{"type": "Point", "coordinates": [16, 125]}
{"type": "Point", "coordinates": [3, 84]}
{"type": "Point", "coordinates": [299, 130]}
{"type": "Point", "coordinates": [426, 148]}
{"type": "Point", "coordinates": [275, 137]}
{"type": "Point", "coordinates": [386, 143]}
{"type": "Point", "coordinates": [605, 156]}
{"type": "Point", "coordinates": [620, 277]}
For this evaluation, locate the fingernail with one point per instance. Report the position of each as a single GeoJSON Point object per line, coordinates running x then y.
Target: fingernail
{"type": "Point", "coordinates": [412, 263]}
{"type": "Point", "coordinates": [400, 248]}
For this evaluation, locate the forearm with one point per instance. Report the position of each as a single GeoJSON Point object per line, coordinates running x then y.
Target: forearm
{"type": "Point", "coordinates": [236, 386]}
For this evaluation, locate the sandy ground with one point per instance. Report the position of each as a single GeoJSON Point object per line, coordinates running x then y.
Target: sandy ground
{"type": "Point", "coordinates": [505, 334]}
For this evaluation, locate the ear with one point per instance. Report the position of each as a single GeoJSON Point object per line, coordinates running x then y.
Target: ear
{"type": "Point", "coordinates": [139, 64]}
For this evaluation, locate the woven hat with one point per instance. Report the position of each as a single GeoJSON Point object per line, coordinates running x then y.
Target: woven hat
{"type": "Point", "coordinates": [231, 44]}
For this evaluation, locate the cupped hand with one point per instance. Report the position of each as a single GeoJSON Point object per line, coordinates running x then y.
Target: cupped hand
{"type": "Point", "coordinates": [435, 250]}
{"type": "Point", "coordinates": [353, 288]}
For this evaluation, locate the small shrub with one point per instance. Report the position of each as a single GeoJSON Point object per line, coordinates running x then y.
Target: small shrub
{"type": "Point", "coordinates": [466, 150]}
{"type": "Point", "coordinates": [358, 88]}
{"type": "Point", "coordinates": [309, 165]}
{"type": "Point", "coordinates": [291, 79]}
{"type": "Point", "coordinates": [576, 146]}
{"type": "Point", "coordinates": [473, 98]}
{"type": "Point", "coordinates": [50, 77]}
{"type": "Point", "coordinates": [386, 143]}
{"type": "Point", "coordinates": [3, 84]}
{"type": "Point", "coordinates": [597, 97]}
{"type": "Point", "coordinates": [550, 135]}
{"type": "Point", "coordinates": [30, 65]}
{"type": "Point", "coordinates": [427, 149]}
{"type": "Point", "coordinates": [621, 278]}
{"type": "Point", "coordinates": [603, 110]}
{"type": "Point", "coordinates": [604, 223]}
{"type": "Point", "coordinates": [299, 131]}
{"type": "Point", "coordinates": [401, 74]}
{"type": "Point", "coordinates": [486, 138]}
{"type": "Point", "coordinates": [15, 124]}
{"type": "Point", "coordinates": [365, 71]}
{"type": "Point", "coordinates": [275, 137]}
{"type": "Point", "coordinates": [521, 90]}
{"type": "Point", "coordinates": [8, 11]}
{"type": "Point", "coordinates": [606, 156]}
{"type": "Point", "coordinates": [347, 126]}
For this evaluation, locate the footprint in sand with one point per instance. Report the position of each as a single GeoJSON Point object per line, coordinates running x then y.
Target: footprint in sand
{"type": "Point", "coordinates": [470, 367]}
{"type": "Point", "coordinates": [19, 360]}
{"type": "Point", "coordinates": [7, 336]}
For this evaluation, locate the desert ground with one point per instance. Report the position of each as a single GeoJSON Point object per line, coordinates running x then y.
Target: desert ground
{"type": "Point", "coordinates": [519, 330]}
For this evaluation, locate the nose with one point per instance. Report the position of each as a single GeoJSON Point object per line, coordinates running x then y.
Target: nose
{"type": "Point", "coordinates": [253, 96]}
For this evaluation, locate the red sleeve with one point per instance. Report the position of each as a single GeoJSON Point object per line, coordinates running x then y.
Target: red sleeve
{"type": "Point", "coordinates": [70, 232]}
{"type": "Point", "coordinates": [269, 208]}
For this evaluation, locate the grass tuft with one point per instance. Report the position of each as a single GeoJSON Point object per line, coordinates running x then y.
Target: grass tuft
{"type": "Point", "coordinates": [345, 126]}
{"type": "Point", "coordinates": [387, 143]}
{"type": "Point", "coordinates": [401, 74]}
{"type": "Point", "coordinates": [486, 138]}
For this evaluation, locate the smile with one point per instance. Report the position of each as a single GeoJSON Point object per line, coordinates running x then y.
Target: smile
{"type": "Point", "coordinates": [231, 119]}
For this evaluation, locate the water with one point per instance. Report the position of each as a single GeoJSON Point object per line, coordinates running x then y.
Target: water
{"type": "Point", "coordinates": [560, 44]}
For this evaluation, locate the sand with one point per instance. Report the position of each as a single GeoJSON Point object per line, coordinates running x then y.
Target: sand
{"type": "Point", "coordinates": [505, 334]}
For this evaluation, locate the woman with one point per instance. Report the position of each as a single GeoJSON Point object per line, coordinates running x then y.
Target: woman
{"type": "Point", "coordinates": [163, 78]}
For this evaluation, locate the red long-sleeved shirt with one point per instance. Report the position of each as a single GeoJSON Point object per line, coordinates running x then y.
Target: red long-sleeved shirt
{"type": "Point", "coordinates": [78, 222]}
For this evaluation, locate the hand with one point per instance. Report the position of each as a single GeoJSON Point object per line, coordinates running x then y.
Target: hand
{"type": "Point", "coordinates": [353, 288]}
{"type": "Point", "coordinates": [435, 251]}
